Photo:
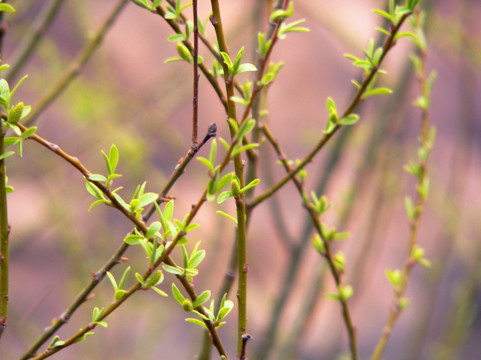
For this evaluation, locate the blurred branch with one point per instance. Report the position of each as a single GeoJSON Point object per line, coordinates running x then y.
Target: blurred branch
{"type": "Point", "coordinates": [26, 48]}
{"type": "Point", "coordinates": [388, 45]}
{"type": "Point", "coordinates": [76, 65]}
{"type": "Point", "coordinates": [4, 226]}
{"type": "Point", "coordinates": [414, 213]}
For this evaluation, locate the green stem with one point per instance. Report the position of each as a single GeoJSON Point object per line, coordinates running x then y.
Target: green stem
{"type": "Point", "coordinates": [4, 245]}
{"type": "Point", "coordinates": [216, 20]}
{"type": "Point", "coordinates": [396, 308]}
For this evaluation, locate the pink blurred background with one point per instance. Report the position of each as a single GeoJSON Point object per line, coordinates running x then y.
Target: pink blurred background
{"type": "Point", "coordinates": [126, 95]}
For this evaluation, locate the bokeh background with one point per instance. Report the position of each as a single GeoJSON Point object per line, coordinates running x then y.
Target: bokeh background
{"type": "Point", "coordinates": [126, 95]}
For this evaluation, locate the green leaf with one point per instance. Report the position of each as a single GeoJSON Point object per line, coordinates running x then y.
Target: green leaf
{"type": "Point", "coordinates": [176, 38]}
{"type": "Point", "coordinates": [139, 278]}
{"type": "Point", "coordinates": [11, 140]}
{"type": "Point", "coordinates": [156, 278]}
{"type": "Point", "coordinates": [16, 87]}
{"type": "Point", "coordinates": [213, 151]}
{"type": "Point", "coordinates": [7, 7]}
{"type": "Point", "coordinates": [177, 295]}
{"type": "Point", "coordinates": [318, 244]}
{"type": "Point", "coordinates": [169, 210]}
{"type": "Point", "coordinates": [226, 179]}
{"type": "Point", "coordinates": [95, 203]}
{"type": "Point", "coordinates": [244, 148]}
{"type": "Point", "coordinates": [377, 91]}
{"type": "Point", "coordinates": [196, 259]}
{"type": "Point", "coordinates": [113, 158]}
{"type": "Point", "coordinates": [29, 132]}
{"type": "Point", "coordinates": [147, 199]}
{"type": "Point", "coordinates": [206, 162]}
{"type": "Point", "coordinates": [223, 196]}
{"type": "Point", "coordinates": [143, 3]}
{"type": "Point", "coordinates": [332, 296]}
{"type": "Point", "coordinates": [124, 277]}
{"type": "Point", "coordinates": [252, 184]}
{"type": "Point", "coordinates": [225, 308]}
{"type": "Point", "coordinates": [112, 280]}
{"type": "Point", "coordinates": [133, 239]}
{"type": "Point", "coordinates": [350, 119]}
{"type": "Point", "coordinates": [97, 177]}
{"type": "Point", "coordinates": [245, 67]}
{"type": "Point", "coordinates": [184, 53]}
{"type": "Point", "coordinates": [394, 277]}
{"type": "Point", "coordinates": [160, 292]}
{"type": "Point", "coordinates": [201, 299]}
{"type": "Point", "coordinates": [119, 294]}
{"type": "Point", "coordinates": [102, 323]}
{"type": "Point", "coordinates": [173, 270]}
{"type": "Point", "coordinates": [409, 207]}
{"type": "Point", "coordinates": [94, 190]}
{"type": "Point", "coordinates": [227, 216]}
{"type": "Point", "coordinates": [196, 321]}
{"type": "Point", "coordinates": [153, 228]}
{"type": "Point", "coordinates": [281, 14]}
{"type": "Point", "coordinates": [96, 313]}
{"type": "Point", "coordinates": [384, 14]}
{"type": "Point", "coordinates": [6, 154]}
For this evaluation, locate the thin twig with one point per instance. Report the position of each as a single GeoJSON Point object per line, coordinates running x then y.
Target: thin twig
{"type": "Point", "coordinates": [415, 219]}
{"type": "Point", "coordinates": [195, 115]}
{"type": "Point", "coordinates": [4, 227]}
{"type": "Point", "coordinates": [388, 45]}
{"type": "Point", "coordinates": [212, 80]}
{"type": "Point", "coordinates": [82, 297]}
{"type": "Point", "coordinates": [327, 252]}
{"type": "Point", "coordinates": [143, 228]}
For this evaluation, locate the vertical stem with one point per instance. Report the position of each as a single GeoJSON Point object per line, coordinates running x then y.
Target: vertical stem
{"type": "Point", "coordinates": [4, 228]}
{"type": "Point", "coordinates": [4, 231]}
{"type": "Point", "coordinates": [239, 171]}
{"type": "Point", "coordinates": [195, 115]}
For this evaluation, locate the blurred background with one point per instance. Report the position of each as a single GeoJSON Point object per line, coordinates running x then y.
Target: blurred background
{"type": "Point", "coordinates": [126, 95]}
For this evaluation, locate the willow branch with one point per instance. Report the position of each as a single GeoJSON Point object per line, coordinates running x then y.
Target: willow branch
{"type": "Point", "coordinates": [4, 227]}
{"type": "Point", "coordinates": [327, 253]}
{"type": "Point", "coordinates": [136, 287]}
{"type": "Point", "coordinates": [388, 45]}
{"type": "Point", "coordinates": [4, 241]}
{"type": "Point", "coordinates": [83, 296]}
{"type": "Point", "coordinates": [415, 219]}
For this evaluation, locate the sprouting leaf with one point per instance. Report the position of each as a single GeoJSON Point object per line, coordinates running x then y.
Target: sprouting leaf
{"type": "Point", "coordinates": [350, 119]}
{"type": "Point", "coordinates": [177, 295]}
{"type": "Point", "coordinates": [173, 270]}
{"type": "Point", "coordinates": [201, 299]}
{"type": "Point", "coordinates": [227, 216]}
{"type": "Point", "coordinates": [196, 321]}
{"type": "Point", "coordinates": [7, 7]}
{"type": "Point", "coordinates": [223, 196]}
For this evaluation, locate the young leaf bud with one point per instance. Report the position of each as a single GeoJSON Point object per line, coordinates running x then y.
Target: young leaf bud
{"type": "Point", "coordinates": [235, 188]}
{"type": "Point", "coordinates": [187, 305]}
{"type": "Point", "coordinates": [15, 113]}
